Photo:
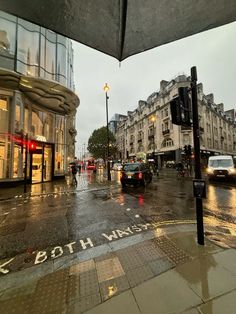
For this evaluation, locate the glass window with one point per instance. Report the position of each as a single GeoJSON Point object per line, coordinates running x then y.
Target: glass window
{"type": "Point", "coordinates": [7, 41]}
{"type": "Point", "coordinates": [37, 123]}
{"type": "Point", "coordinates": [48, 126]}
{"type": "Point", "coordinates": [4, 156]}
{"type": "Point", "coordinates": [42, 125]}
{"type": "Point", "coordinates": [17, 117]}
{"type": "Point", "coordinates": [17, 162]}
{"type": "Point", "coordinates": [28, 49]}
{"type": "Point", "coordinates": [4, 115]}
{"type": "Point", "coordinates": [50, 54]}
{"type": "Point", "coordinates": [61, 63]}
{"type": "Point", "coordinates": [26, 120]}
{"type": "Point", "coordinates": [60, 147]}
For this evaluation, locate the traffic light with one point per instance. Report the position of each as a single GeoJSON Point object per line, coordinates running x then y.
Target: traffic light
{"type": "Point", "coordinates": [32, 147]}
{"type": "Point", "coordinates": [186, 149]}
{"type": "Point", "coordinates": [189, 150]}
{"type": "Point", "coordinates": [181, 108]}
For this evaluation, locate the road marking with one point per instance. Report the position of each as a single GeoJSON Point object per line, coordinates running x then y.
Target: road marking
{"type": "Point", "coordinates": [136, 216]}
{"type": "Point", "coordinates": [4, 270]}
{"type": "Point", "coordinates": [128, 209]}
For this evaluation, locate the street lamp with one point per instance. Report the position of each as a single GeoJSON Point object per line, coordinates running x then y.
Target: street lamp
{"type": "Point", "coordinates": [106, 89]}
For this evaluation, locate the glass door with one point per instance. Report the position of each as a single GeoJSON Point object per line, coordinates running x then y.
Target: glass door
{"type": "Point", "coordinates": [37, 160]}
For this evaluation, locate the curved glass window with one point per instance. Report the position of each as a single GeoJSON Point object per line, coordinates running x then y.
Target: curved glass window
{"type": "Point", "coordinates": [28, 48]}
{"type": "Point", "coordinates": [7, 41]}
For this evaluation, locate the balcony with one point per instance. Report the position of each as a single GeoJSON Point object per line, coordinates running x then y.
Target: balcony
{"type": "Point", "coordinates": [165, 132]}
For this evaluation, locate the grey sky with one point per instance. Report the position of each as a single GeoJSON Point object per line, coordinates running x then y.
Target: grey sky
{"type": "Point", "coordinates": [213, 52]}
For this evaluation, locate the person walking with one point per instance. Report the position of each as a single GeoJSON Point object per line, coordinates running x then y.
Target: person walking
{"type": "Point", "coordinates": [74, 172]}
{"type": "Point", "coordinates": [79, 169]}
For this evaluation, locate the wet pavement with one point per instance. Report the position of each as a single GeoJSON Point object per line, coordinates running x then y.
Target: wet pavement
{"type": "Point", "coordinates": [67, 249]}
{"type": "Point", "coordinates": [57, 219]}
{"type": "Point", "coordinates": [165, 271]}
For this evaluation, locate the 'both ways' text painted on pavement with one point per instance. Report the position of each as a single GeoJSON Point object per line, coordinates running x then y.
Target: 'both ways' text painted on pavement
{"type": "Point", "coordinates": [39, 257]}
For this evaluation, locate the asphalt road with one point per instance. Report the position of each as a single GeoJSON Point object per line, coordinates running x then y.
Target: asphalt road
{"type": "Point", "coordinates": [51, 225]}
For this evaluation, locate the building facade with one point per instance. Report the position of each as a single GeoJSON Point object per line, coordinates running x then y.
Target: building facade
{"type": "Point", "coordinates": [148, 133]}
{"type": "Point", "coordinates": [37, 101]}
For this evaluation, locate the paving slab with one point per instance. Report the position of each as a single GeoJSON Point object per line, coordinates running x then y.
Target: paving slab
{"type": "Point", "coordinates": [227, 259]}
{"type": "Point", "coordinates": [123, 303]}
{"type": "Point", "coordinates": [207, 278]}
{"type": "Point", "coordinates": [224, 304]}
{"type": "Point", "coordinates": [167, 293]}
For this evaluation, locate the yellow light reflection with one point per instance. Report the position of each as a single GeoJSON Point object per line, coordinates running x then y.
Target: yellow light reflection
{"type": "Point", "coordinates": [112, 290]}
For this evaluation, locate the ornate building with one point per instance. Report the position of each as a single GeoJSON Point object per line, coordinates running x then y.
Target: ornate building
{"type": "Point", "coordinates": [37, 101]}
{"type": "Point", "coordinates": [147, 132]}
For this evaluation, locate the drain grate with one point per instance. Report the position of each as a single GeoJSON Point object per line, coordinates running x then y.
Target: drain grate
{"type": "Point", "coordinates": [173, 252]}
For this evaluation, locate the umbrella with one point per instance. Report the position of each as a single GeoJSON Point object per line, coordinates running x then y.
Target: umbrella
{"type": "Point", "coordinates": [122, 28]}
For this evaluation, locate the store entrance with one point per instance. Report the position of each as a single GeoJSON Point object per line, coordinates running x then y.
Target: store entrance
{"type": "Point", "coordinates": [41, 163]}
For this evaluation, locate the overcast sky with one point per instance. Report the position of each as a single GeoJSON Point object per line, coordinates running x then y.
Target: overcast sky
{"type": "Point", "coordinates": [213, 52]}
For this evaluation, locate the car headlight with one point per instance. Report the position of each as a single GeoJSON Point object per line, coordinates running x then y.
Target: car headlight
{"type": "Point", "coordinates": [232, 170]}
{"type": "Point", "coordinates": [210, 170]}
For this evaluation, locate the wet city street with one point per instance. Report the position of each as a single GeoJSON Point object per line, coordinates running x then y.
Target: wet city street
{"type": "Point", "coordinates": [56, 220]}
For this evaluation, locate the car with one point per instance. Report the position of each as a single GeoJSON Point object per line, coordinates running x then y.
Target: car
{"type": "Point", "coordinates": [117, 166]}
{"type": "Point", "coordinates": [135, 173]}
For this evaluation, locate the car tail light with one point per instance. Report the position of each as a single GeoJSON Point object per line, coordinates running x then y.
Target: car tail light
{"type": "Point", "coordinates": [140, 175]}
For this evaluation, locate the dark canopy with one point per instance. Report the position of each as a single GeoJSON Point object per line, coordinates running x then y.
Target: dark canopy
{"type": "Point", "coordinates": [122, 28]}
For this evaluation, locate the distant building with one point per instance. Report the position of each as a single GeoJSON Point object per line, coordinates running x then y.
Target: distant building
{"type": "Point", "coordinates": [147, 132]}
{"type": "Point", "coordinates": [112, 125]}
{"type": "Point", "coordinates": [37, 101]}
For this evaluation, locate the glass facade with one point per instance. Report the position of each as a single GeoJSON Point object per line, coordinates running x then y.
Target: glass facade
{"type": "Point", "coordinates": [32, 51]}
{"type": "Point", "coordinates": [35, 51]}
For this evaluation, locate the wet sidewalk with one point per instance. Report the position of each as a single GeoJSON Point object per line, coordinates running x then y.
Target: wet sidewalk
{"type": "Point", "coordinates": [87, 180]}
{"type": "Point", "coordinates": [165, 271]}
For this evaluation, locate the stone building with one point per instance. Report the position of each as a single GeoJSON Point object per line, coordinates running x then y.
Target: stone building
{"type": "Point", "coordinates": [148, 133]}
{"type": "Point", "coordinates": [37, 102]}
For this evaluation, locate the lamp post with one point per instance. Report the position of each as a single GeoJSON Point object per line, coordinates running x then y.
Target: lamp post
{"type": "Point", "coordinates": [106, 89]}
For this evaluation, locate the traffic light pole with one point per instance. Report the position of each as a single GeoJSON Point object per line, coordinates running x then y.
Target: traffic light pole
{"type": "Point", "coordinates": [197, 164]}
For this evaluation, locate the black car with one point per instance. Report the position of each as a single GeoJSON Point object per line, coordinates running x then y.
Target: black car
{"type": "Point", "coordinates": [135, 173]}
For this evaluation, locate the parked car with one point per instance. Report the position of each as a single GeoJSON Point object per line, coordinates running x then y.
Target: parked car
{"type": "Point", "coordinates": [117, 166]}
{"type": "Point", "coordinates": [221, 166]}
{"type": "Point", "coordinates": [135, 173]}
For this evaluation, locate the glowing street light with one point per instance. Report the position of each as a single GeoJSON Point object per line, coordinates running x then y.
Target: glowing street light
{"type": "Point", "coordinates": [106, 88]}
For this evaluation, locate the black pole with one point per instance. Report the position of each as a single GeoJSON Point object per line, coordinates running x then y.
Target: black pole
{"type": "Point", "coordinates": [26, 163]}
{"type": "Point", "coordinates": [197, 164]}
{"type": "Point", "coordinates": [108, 143]}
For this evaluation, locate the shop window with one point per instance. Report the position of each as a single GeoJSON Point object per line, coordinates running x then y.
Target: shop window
{"type": "Point", "coordinates": [17, 162]}
{"type": "Point", "coordinates": [4, 116]}
{"type": "Point", "coordinates": [4, 156]}
{"type": "Point", "coordinates": [60, 145]}
{"type": "Point", "coordinates": [7, 40]}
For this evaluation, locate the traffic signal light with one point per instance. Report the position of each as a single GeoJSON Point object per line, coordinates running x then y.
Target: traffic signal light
{"type": "Point", "coordinates": [186, 149]}
{"type": "Point", "coordinates": [189, 150]}
{"type": "Point", "coordinates": [181, 108]}
{"type": "Point", "coordinates": [32, 147]}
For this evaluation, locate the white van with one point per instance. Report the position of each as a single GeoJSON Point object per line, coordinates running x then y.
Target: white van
{"type": "Point", "coordinates": [221, 166]}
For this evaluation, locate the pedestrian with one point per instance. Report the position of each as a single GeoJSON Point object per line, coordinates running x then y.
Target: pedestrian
{"type": "Point", "coordinates": [79, 169]}
{"type": "Point", "coordinates": [74, 172]}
